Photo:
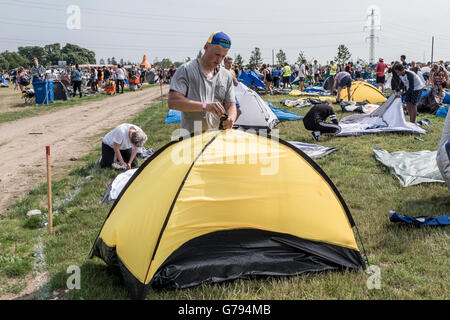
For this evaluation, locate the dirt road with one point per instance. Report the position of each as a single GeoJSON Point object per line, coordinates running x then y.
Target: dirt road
{"type": "Point", "coordinates": [69, 133]}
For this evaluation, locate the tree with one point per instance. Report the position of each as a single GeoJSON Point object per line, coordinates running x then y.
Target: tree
{"type": "Point", "coordinates": [113, 61]}
{"type": "Point", "coordinates": [255, 58]}
{"type": "Point", "coordinates": [121, 61]}
{"type": "Point", "coordinates": [53, 54]}
{"type": "Point", "coordinates": [281, 58]}
{"type": "Point", "coordinates": [74, 54]}
{"type": "Point", "coordinates": [239, 61]}
{"type": "Point", "coordinates": [102, 61]}
{"type": "Point", "coordinates": [109, 61]}
{"type": "Point", "coordinates": [4, 64]}
{"type": "Point", "coordinates": [301, 57]}
{"type": "Point", "coordinates": [30, 52]}
{"type": "Point", "coordinates": [166, 63]}
{"type": "Point", "coordinates": [199, 54]}
{"type": "Point", "coordinates": [15, 60]}
{"type": "Point", "coordinates": [343, 55]}
{"type": "Point", "coordinates": [188, 59]}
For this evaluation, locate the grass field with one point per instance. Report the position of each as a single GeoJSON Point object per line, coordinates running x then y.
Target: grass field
{"type": "Point", "coordinates": [13, 107]}
{"type": "Point", "coordinates": [414, 262]}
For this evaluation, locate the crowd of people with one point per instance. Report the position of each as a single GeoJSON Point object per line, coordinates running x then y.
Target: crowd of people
{"type": "Point", "coordinates": [78, 78]}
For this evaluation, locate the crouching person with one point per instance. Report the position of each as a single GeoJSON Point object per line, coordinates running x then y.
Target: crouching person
{"type": "Point", "coordinates": [315, 120]}
{"type": "Point", "coordinates": [122, 142]}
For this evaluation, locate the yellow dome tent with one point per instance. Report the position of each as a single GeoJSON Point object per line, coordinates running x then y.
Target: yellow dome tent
{"type": "Point", "coordinates": [144, 63]}
{"type": "Point", "coordinates": [362, 91]}
{"type": "Point", "coordinates": [225, 205]}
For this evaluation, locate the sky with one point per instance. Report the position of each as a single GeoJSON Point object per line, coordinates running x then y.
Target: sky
{"type": "Point", "coordinates": [178, 29]}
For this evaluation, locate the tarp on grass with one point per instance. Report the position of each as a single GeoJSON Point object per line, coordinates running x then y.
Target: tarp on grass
{"type": "Point", "coordinates": [314, 151]}
{"type": "Point", "coordinates": [410, 168]}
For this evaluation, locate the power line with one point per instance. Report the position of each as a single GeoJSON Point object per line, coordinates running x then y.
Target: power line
{"type": "Point", "coordinates": [153, 16]}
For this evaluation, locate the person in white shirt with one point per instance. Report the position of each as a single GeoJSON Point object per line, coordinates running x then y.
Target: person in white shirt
{"type": "Point", "coordinates": [358, 71]}
{"type": "Point", "coordinates": [302, 75]}
{"type": "Point", "coordinates": [120, 78]}
{"type": "Point", "coordinates": [123, 142]}
{"type": "Point", "coordinates": [316, 72]}
{"type": "Point", "coordinates": [414, 86]}
{"type": "Point", "coordinates": [51, 76]}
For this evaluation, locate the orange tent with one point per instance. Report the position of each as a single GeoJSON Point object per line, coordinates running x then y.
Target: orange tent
{"type": "Point", "coordinates": [144, 63]}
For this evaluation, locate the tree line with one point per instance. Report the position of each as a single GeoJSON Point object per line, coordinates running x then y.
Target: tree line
{"type": "Point", "coordinates": [47, 55]}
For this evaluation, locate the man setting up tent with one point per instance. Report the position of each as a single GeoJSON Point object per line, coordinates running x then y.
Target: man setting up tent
{"type": "Point", "coordinates": [343, 79]}
{"type": "Point", "coordinates": [202, 90]}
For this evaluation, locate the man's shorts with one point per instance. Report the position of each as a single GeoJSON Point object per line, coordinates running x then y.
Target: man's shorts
{"type": "Point", "coordinates": [285, 79]}
{"type": "Point", "coordinates": [381, 79]}
{"type": "Point", "coordinates": [301, 79]}
{"type": "Point", "coordinates": [345, 82]}
{"type": "Point", "coordinates": [413, 97]}
{"type": "Point", "coordinates": [358, 74]}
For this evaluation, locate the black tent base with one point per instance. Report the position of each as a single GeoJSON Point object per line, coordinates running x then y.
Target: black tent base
{"type": "Point", "coordinates": [236, 254]}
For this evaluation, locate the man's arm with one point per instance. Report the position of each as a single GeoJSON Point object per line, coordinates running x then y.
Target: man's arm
{"type": "Point", "coordinates": [178, 101]}
{"type": "Point", "coordinates": [133, 155]}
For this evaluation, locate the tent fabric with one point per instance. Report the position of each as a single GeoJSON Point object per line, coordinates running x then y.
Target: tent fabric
{"type": "Point", "coordinates": [204, 218]}
{"type": "Point", "coordinates": [283, 114]}
{"type": "Point", "coordinates": [328, 83]}
{"type": "Point", "coordinates": [362, 91]}
{"type": "Point", "coordinates": [60, 91]}
{"type": "Point", "coordinates": [116, 186]}
{"type": "Point", "coordinates": [423, 221]}
{"type": "Point", "coordinates": [442, 112]}
{"type": "Point", "coordinates": [388, 117]}
{"type": "Point", "coordinates": [250, 78]}
{"type": "Point", "coordinates": [314, 151]}
{"type": "Point", "coordinates": [350, 106]}
{"type": "Point", "coordinates": [145, 63]}
{"type": "Point", "coordinates": [443, 153]}
{"type": "Point", "coordinates": [255, 112]}
{"type": "Point", "coordinates": [410, 168]}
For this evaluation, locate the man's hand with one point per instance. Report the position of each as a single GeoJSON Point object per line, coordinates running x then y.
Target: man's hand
{"type": "Point", "coordinates": [227, 124]}
{"type": "Point", "coordinates": [128, 166]}
{"type": "Point", "coordinates": [215, 107]}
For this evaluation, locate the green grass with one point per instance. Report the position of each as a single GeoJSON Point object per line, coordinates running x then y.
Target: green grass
{"type": "Point", "coordinates": [41, 109]}
{"type": "Point", "coordinates": [413, 261]}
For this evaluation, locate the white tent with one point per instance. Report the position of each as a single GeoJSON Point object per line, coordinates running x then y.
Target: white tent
{"type": "Point", "coordinates": [388, 117]}
{"type": "Point", "coordinates": [255, 112]}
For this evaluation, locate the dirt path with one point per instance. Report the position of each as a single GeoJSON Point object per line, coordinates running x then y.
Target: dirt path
{"type": "Point", "coordinates": [69, 133]}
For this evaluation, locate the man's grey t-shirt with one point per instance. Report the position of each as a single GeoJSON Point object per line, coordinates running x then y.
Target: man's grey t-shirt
{"type": "Point", "coordinates": [192, 83]}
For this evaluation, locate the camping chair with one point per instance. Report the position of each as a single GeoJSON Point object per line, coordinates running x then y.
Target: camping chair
{"type": "Point", "coordinates": [28, 96]}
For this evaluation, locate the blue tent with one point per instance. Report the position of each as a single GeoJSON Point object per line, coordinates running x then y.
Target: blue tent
{"type": "Point", "coordinates": [3, 81]}
{"type": "Point", "coordinates": [283, 114]}
{"type": "Point", "coordinates": [250, 78]}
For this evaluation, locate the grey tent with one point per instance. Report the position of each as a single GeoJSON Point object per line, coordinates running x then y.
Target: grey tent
{"type": "Point", "coordinates": [60, 91]}
{"type": "Point", "coordinates": [388, 117]}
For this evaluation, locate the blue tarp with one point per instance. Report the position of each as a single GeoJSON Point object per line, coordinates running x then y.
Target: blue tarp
{"type": "Point", "coordinates": [250, 78]}
{"type": "Point", "coordinates": [173, 116]}
{"type": "Point", "coordinates": [314, 89]}
{"type": "Point", "coordinates": [421, 221]}
{"type": "Point", "coordinates": [283, 114]}
{"type": "Point", "coordinates": [442, 112]}
{"type": "Point", "coordinates": [3, 80]}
